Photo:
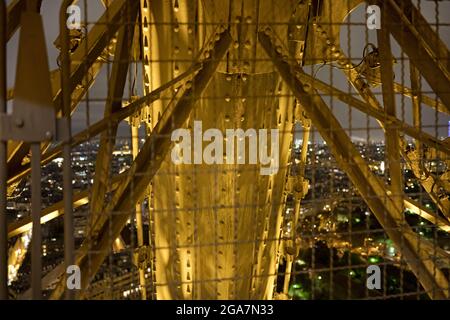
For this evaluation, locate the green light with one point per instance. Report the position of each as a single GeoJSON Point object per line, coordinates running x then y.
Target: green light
{"type": "Point", "coordinates": [352, 273]}
{"type": "Point", "coordinates": [296, 286]}
{"type": "Point", "coordinates": [374, 259]}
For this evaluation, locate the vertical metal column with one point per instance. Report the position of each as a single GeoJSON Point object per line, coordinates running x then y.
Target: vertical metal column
{"type": "Point", "coordinates": [139, 226]}
{"type": "Point", "coordinates": [298, 195]}
{"type": "Point", "coordinates": [3, 164]}
{"type": "Point", "coordinates": [36, 244]}
{"type": "Point", "coordinates": [69, 243]}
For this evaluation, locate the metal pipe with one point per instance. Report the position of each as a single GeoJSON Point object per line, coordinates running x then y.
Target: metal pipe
{"type": "Point", "coordinates": [69, 242]}
{"type": "Point", "coordinates": [3, 163]}
{"type": "Point", "coordinates": [36, 244]}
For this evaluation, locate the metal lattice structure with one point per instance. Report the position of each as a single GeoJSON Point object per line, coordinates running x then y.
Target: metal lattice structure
{"type": "Point", "coordinates": [139, 225]}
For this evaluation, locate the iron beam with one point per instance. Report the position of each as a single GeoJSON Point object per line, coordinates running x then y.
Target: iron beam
{"type": "Point", "coordinates": [374, 112]}
{"type": "Point", "coordinates": [113, 104]}
{"type": "Point", "coordinates": [84, 58]}
{"type": "Point", "coordinates": [102, 125]}
{"type": "Point", "coordinates": [15, 9]}
{"type": "Point", "coordinates": [371, 188]}
{"type": "Point", "coordinates": [421, 43]}
{"type": "Point", "coordinates": [391, 131]}
{"type": "Point", "coordinates": [149, 160]}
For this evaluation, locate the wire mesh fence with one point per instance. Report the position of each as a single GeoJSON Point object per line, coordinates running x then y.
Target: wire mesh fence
{"type": "Point", "coordinates": [234, 150]}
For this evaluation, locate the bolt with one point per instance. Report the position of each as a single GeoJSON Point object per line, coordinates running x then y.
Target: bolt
{"type": "Point", "coordinates": [48, 135]}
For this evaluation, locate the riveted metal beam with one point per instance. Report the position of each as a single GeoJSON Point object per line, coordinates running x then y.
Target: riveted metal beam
{"type": "Point", "coordinates": [370, 187]}
{"type": "Point", "coordinates": [113, 104]}
{"type": "Point", "coordinates": [145, 167]}
{"type": "Point", "coordinates": [421, 43]}
{"type": "Point", "coordinates": [84, 58]}
{"type": "Point", "coordinates": [392, 139]}
{"type": "Point", "coordinates": [116, 117]}
{"type": "Point", "coordinates": [374, 112]}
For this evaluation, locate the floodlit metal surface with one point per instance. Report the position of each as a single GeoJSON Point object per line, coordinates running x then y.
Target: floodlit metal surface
{"type": "Point", "coordinates": [387, 212]}
{"type": "Point", "coordinates": [140, 225]}
{"type": "Point", "coordinates": [423, 46]}
{"type": "Point", "coordinates": [116, 88]}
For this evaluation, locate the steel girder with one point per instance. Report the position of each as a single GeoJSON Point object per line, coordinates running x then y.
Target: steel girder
{"type": "Point", "coordinates": [421, 43]}
{"type": "Point", "coordinates": [429, 182]}
{"type": "Point", "coordinates": [373, 111]}
{"type": "Point", "coordinates": [15, 9]}
{"type": "Point", "coordinates": [84, 58]}
{"type": "Point", "coordinates": [144, 168]}
{"type": "Point", "coordinates": [113, 104]}
{"type": "Point", "coordinates": [415, 249]}
{"type": "Point", "coordinates": [379, 114]}
{"type": "Point", "coordinates": [364, 90]}
{"type": "Point", "coordinates": [411, 93]}
{"type": "Point", "coordinates": [392, 139]}
{"type": "Point", "coordinates": [114, 118]}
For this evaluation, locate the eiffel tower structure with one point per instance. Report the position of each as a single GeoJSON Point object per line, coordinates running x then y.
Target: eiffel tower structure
{"type": "Point", "coordinates": [217, 230]}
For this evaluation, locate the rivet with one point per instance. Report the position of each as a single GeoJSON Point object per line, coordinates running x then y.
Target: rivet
{"type": "Point", "coordinates": [19, 122]}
